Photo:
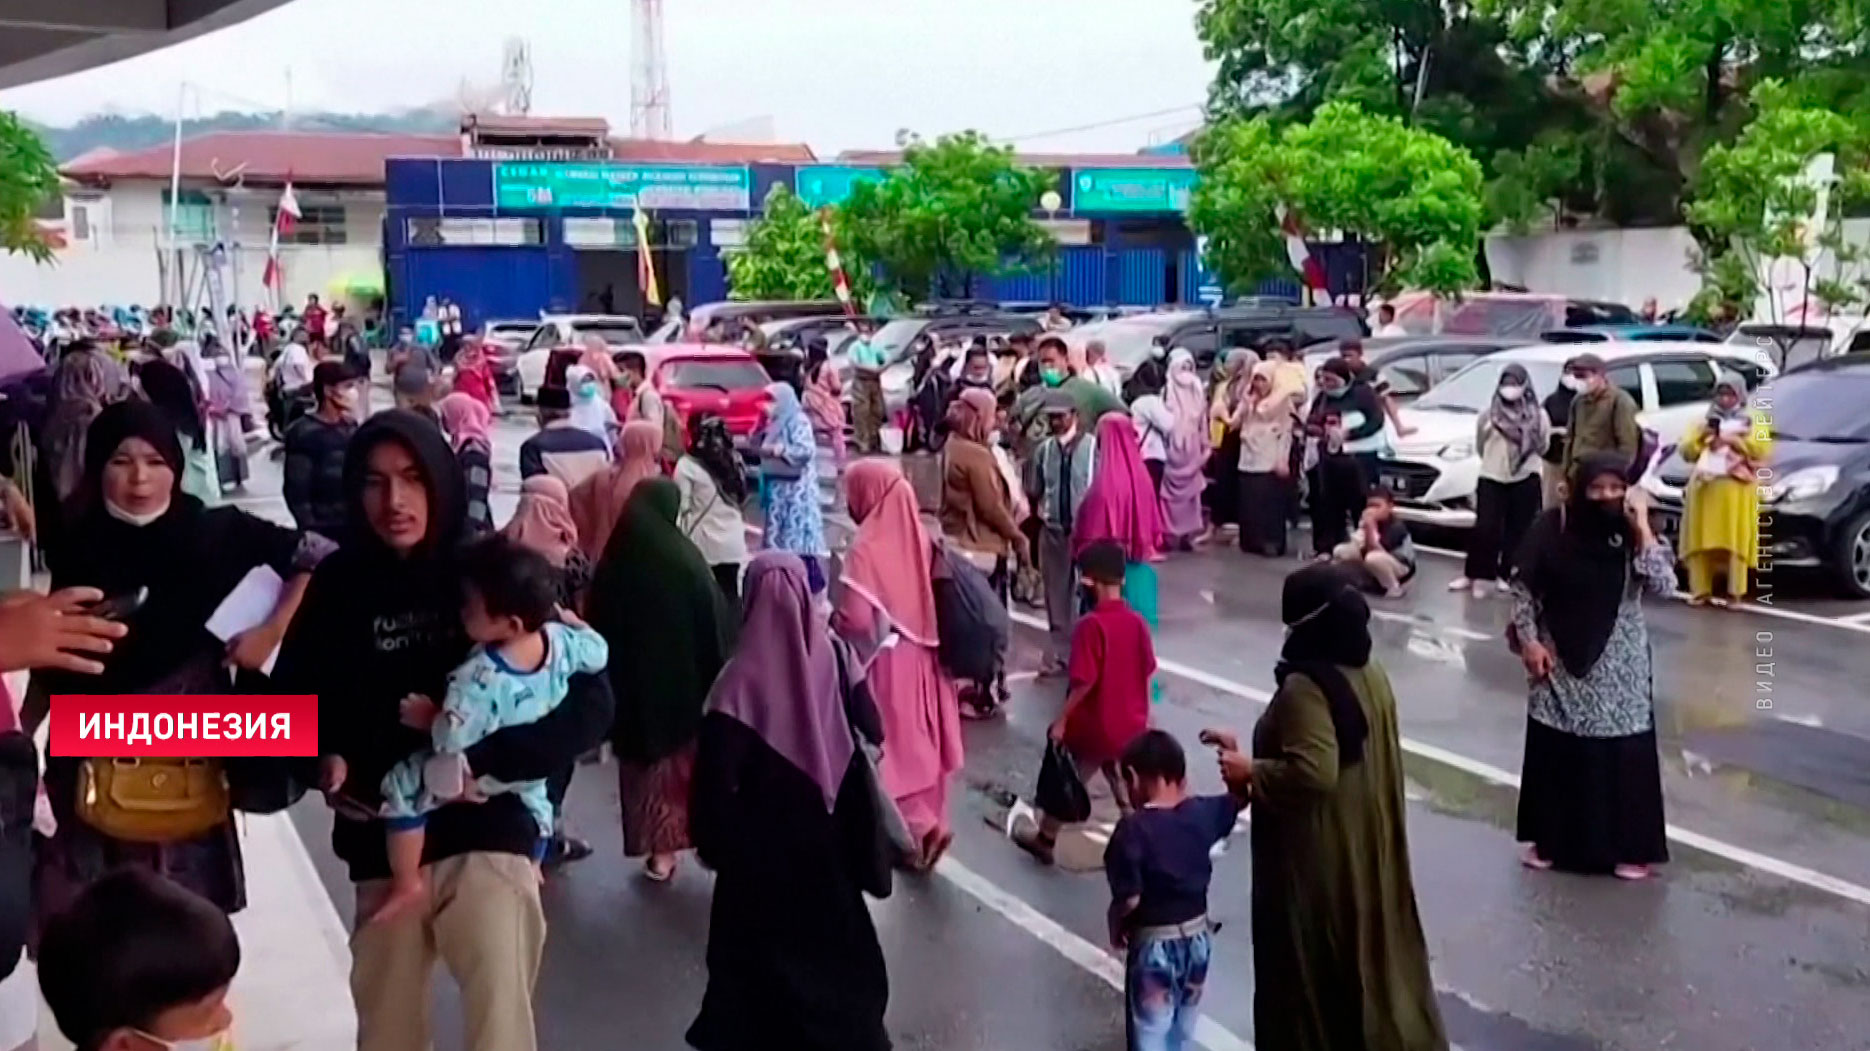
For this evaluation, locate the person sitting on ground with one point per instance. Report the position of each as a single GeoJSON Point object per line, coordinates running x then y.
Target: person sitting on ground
{"type": "Point", "coordinates": [518, 671]}
{"type": "Point", "coordinates": [1107, 703]}
{"type": "Point", "coordinates": [1158, 864]}
{"type": "Point", "coordinates": [138, 962]}
{"type": "Point", "coordinates": [561, 448]}
{"type": "Point", "coordinates": [315, 443]}
{"type": "Point", "coordinates": [1381, 546]}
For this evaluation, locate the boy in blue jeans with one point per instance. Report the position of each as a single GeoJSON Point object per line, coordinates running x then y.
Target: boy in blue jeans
{"type": "Point", "coordinates": [1158, 865]}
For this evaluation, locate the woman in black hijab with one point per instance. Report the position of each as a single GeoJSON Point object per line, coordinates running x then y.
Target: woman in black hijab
{"type": "Point", "coordinates": [1339, 959]}
{"type": "Point", "coordinates": [136, 532]}
{"type": "Point", "coordinates": [1590, 797]}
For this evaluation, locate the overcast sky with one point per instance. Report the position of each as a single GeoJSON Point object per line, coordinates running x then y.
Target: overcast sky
{"type": "Point", "coordinates": [838, 74]}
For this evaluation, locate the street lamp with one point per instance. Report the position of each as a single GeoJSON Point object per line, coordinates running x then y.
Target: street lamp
{"type": "Point", "coordinates": [1052, 202]}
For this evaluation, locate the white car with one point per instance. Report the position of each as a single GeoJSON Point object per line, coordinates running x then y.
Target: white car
{"type": "Point", "coordinates": [1434, 472]}
{"type": "Point", "coordinates": [569, 330]}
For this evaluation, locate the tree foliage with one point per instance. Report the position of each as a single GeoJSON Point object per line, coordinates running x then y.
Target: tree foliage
{"type": "Point", "coordinates": [784, 257]}
{"type": "Point", "coordinates": [1775, 223]}
{"type": "Point", "coordinates": [1596, 106]}
{"type": "Point", "coordinates": [27, 180]}
{"type": "Point", "coordinates": [1411, 191]}
{"type": "Point", "coordinates": [951, 212]}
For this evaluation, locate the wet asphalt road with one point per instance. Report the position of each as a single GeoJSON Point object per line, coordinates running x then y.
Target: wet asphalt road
{"type": "Point", "coordinates": [1723, 952]}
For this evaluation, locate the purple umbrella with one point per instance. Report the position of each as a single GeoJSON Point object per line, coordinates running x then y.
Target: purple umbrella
{"type": "Point", "coordinates": [17, 355]}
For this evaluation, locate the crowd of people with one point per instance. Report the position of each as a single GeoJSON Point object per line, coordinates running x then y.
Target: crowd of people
{"type": "Point", "coordinates": [796, 719]}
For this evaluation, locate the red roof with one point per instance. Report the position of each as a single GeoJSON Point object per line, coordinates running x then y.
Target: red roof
{"type": "Point", "coordinates": [887, 158]}
{"type": "Point", "coordinates": [696, 151]}
{"type": "Point", "coordinates": [308, 158]}
{"type": "Point", "coordinates": [356, 159]}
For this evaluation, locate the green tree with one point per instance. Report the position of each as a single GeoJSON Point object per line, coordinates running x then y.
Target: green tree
{"type": "Point", "coordinates": [953, 211]}
{"type": "Point", "coordinates": [784, 257]}
{"type": "Point", "coordinates": [1410, 192]}
{"type": "Point", "coordinates": [27, 180]}
{"type": "Point", "coordinates": [1775, 221]}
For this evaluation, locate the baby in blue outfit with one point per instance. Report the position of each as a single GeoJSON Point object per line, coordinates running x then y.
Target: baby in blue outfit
{"type": "Point", "coordinates": [518, 671]}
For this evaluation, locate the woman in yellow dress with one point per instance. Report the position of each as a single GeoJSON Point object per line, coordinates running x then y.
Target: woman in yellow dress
{"type": "Point", "coordinates": [1721, 516]}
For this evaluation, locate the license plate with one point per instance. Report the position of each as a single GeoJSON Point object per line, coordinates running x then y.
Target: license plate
{"type": "Point", "coordinates": [1396, 483]}
{"type": "Point", "coordinates": [1667, 523]}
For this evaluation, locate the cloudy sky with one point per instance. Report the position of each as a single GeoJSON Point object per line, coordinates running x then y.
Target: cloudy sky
{"type": "Point", "coordinates": [1052, 75]}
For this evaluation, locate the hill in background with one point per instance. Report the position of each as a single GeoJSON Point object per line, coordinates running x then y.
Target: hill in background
{"type": "Point", "coordinates": [119, 132]}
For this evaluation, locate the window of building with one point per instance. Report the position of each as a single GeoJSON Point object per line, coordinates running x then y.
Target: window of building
{"type": "Point", "coordinates": [318, 224]}
{"type": "Point", "coordinates": [437, 231]}
{"type": "Point", "coordinates": [192, 214]}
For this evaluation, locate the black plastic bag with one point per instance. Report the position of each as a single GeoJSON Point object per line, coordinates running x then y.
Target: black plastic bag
{"type": "Point", "coordinates": [969, 620]}
{"type": "Point", "coordinates": [1061, 794]}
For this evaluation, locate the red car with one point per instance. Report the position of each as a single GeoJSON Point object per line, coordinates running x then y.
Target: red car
{"type": "Point", "coordinates": [706, 377]}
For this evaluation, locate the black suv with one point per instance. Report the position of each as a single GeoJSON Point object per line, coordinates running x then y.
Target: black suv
{"type": "Point", "coordinates": [1209, 333]}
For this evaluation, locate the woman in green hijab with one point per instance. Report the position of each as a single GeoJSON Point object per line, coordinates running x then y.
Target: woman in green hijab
{"type": "Point", "coordinates": [655, 600]}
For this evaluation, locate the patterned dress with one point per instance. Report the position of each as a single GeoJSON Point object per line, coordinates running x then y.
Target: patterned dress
{"type": "Point", "coordinates": [1590, 794]}
{"type": "Point", "coordinates": [794, 520]}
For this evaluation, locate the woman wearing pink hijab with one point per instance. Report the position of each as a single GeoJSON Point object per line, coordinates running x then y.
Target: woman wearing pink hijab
{"type": "Point", "coordinates": [469, 426]}
{"type": "Point", "coordinates": [888, 591]}
{"type": "Point", "coordinates": [543, 523]}
{"type": "Point", "coordinates": [1184, 473]}
{"type": "Point", "coordinates": [597, 502]}
{"type": "Point", "coordinates": [1121, 506]}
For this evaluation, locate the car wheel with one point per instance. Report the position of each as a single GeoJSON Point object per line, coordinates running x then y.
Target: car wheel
{"type": "Point", "coordinates": [1852, 558]}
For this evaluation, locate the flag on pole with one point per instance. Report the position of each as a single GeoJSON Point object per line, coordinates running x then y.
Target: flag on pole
{"type": "Point", "coordinates": [840, 282]}
{"type": "Point", "coordinates": [285, 219]}
{"type": "Point", "coordinates": [1299, 254]}
{"type": "Point", "coordinates": [645, 261]}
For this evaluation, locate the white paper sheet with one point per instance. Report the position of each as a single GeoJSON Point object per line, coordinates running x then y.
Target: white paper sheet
{"type": "Point", "coordinates": [247, 606]}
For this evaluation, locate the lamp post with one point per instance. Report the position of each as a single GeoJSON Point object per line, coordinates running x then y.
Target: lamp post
{"type": "Point", "coordinates": [1052, 202]}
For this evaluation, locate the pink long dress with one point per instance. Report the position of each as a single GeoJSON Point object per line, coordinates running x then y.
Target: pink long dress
{"type": "Point", "coordinates": [887, 588]}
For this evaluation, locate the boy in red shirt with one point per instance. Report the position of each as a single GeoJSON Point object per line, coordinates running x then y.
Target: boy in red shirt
{"type": "Point", "coordinates": [1107, 704]}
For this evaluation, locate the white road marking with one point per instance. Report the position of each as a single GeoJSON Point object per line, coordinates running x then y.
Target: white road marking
{"type": "Point", "coordinates": [1100, 964]}
{"type": "Point", "coordinates": [1487, 772]}
{"type": "Point", "coordinates": [1858, 622]}
{"type": "Point", "coordinates": [1422, 624]}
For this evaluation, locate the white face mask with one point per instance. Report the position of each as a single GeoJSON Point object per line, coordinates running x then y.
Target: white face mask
{"type": "Point", "coordinates": [1574, 383]}
{"type": "Point", "coordinates": [1512, 392]}
{"type": "Point", "coordinates": [132, 518]}
{"type": "Point", "coordinates": [221, 1041]}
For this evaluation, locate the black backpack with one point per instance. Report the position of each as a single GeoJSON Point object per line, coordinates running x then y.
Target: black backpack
{"type": "Point", "coordinates": [969, 619]}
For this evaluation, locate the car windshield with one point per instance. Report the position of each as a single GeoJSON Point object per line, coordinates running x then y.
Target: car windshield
{"type": "Point", "coordinates": [1127, 341]}
{"type": "Point", "coordinates": [1789, 345]}
{"type": "Point", "coordinates": [614, 333]}
{"type": "Point", "coordinates": [1825, 405]}
{"type": "Point", "coordinates": [894, 338]}
{"type": "Point", "coordinates": [1471, 389]}
{"type": "Point", "coordinates": [714, 374]}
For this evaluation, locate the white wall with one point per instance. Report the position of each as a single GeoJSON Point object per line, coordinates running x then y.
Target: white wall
{"type": "Point", "coordinates": [123, 267]}
{"type": "Point", "coordinates": [1625, 266]}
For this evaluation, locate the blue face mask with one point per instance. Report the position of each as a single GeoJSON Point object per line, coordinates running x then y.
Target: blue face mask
{"type": "Point", "coordinates": [1336, 392]}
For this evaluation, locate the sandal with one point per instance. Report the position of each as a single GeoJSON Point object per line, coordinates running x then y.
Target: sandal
{"type": "Point", "coordinates": [1698, 601]}
{"type": "Point", "coordinates": [1631, 872]}
{"type": "Point", "coordinates": [932, 850]}
{"type": "Point", "coordinates": [1035, 843]}
{"type": "Point", "coordinates": [1532, 860]}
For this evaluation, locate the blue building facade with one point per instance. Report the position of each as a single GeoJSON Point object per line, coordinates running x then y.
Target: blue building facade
{"type": "Point", "coordinates": [512, 238]}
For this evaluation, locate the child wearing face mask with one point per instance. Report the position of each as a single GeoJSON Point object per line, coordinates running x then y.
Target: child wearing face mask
{"type": "Point", "coordinates": [1510, 437]}
{"type": "Point", "coordinates": [138, 963]}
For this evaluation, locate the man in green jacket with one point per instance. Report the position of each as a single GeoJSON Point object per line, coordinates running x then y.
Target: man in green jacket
{"type": "Point", "coordinates": [1603, 416]}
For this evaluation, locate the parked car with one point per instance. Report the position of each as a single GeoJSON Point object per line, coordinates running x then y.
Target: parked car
{"type": "Point", "coordinates": [1206, 333]}
{"type": "Point", "coordinates": [1819, 496]}
{"type": "Point", "coordinates": [569, 330]}
{"type": "Point", "coordinates": [1522, 315]}
{"type": "Point", "coordinates": [502, 341]}
{"type": "Point", "coordinates": [788, 339]}
{"type": "Point", "coordinates": [1795, 344]}
{"type": "Point", "coordinates": [694, 328]}
{"type": "Point", "coordinates": [1638, 333]}
{"type": "Point", "coordinates": [1412, 365]}
{"type": "Point", "coordinates": [1434, 472]}
{"type": "Point", "coordinates": [902, 337]}
{"type": "Point", "coordinates": [708, 377]}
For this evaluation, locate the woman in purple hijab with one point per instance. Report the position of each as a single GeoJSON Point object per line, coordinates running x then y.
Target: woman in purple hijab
{"type": "Point", "coordinates": [783, 816]}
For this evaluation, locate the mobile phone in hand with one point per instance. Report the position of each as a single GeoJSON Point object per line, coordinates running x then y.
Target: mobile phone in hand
{"type": "Point", "coordinates": [120, 607]}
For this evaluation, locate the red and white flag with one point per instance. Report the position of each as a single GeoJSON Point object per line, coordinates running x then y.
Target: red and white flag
{"type": "Point", "coordinates": [840, 283]}
{"type": "Point", "coordinates": [285, 219]}
{"type": "Point", "coordinates": [1311, 271]}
